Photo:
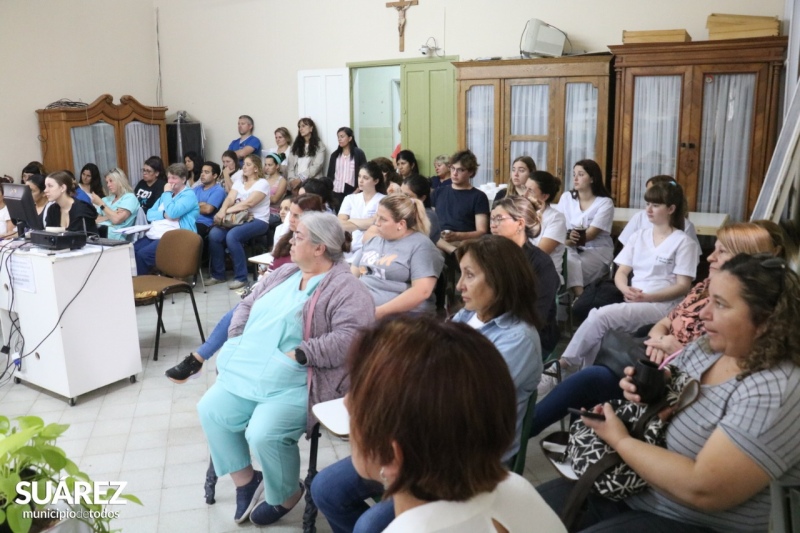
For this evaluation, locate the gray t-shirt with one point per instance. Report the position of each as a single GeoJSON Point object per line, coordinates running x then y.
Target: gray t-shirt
{"type": "Point", "coordinates": [758, 414]}
{"type": "Point", "coordinates": [389, 267]}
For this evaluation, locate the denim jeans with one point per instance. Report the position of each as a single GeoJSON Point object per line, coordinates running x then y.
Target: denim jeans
{"type": "Point", "coordinates": [218, 337]}
{"type": "Point", "coordinates": [588, 387]}
{"type": "Point", "coordinates": [339, 493]}
{"type": "Point", "coordinates": [233, 239]}
{"type": "Point", "coordinates": [145, 253]}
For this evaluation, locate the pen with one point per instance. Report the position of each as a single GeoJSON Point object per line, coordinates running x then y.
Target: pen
{"type": "Point", "coordinates": [669, 359]}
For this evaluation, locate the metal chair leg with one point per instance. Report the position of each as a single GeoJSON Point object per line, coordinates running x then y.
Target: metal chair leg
{"type": "Point", "coordinates": [197, 317]}
{"type": "Point", "coordinates": [159, 307]}
{"type": "Point", "coordinates": [310, 512]}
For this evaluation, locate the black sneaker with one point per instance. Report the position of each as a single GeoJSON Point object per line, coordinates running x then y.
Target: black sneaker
{"type": "Point", "coordinates": [184, 370]}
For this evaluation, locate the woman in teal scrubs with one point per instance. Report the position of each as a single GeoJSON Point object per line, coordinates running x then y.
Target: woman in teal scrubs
{"type": "Point", "coordinates": [285, 351]}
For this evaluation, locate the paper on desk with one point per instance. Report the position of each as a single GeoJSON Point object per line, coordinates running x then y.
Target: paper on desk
{"type": "Point", "coordinates": [131, 229]}
{"type": "Point", "coordinates": [21, 273]}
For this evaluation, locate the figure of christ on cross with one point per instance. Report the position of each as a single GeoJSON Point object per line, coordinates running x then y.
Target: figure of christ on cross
{"type": "Point", "coordinates": [401, 8]}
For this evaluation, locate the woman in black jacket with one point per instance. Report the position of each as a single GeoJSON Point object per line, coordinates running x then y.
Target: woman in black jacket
{"type": "Point", "coordinates": [344, 165]}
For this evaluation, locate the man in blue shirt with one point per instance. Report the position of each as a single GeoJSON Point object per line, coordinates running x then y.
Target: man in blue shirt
{"type": "Point", "coordinates": [247, 143]}
{"type": "Point", "coordinates": [209, 197]}
{"type": "Point", "coordinates": [463, 210]}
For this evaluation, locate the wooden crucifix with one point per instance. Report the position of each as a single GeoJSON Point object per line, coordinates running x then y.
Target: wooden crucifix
{"type": "Point", "coordinates": [401, 8]}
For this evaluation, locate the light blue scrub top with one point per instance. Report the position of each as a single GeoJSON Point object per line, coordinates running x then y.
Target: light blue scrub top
{"type": "Point", "coordinates": [254, 365]}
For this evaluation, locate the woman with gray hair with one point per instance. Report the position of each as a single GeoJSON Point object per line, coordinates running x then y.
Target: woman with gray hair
{"type": "Point", "coordinates": [117, 210]}
{"type": "Point", "coordinates": [274, 367]}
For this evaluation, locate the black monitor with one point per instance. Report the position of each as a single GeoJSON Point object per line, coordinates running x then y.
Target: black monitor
{"type": "Point", "coordinates": [21, 207]}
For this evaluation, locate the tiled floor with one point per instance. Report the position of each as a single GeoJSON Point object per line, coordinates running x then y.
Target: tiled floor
{"type": "Point", "coordinates": [148, 433]}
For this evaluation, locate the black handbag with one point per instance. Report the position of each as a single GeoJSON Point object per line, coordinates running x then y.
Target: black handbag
{"type": "Point", "coordinates": [619, 349]}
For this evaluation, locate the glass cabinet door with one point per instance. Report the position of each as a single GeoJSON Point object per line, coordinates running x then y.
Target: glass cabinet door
{"type": "Point", "coordinates": [141, 141]}
{"type": "Point", "coordinates": [726, 138]}
{"type": "Point", "coordinates": [656, 126]}
{"type": "Point", "coordinates": [96, 144]}
{"type": "Point", "coordinates": [480, 130]}
{"type": "Point", "coordinates": [528, 122]}
{"type": "Point", "coordinates": [580, 126]}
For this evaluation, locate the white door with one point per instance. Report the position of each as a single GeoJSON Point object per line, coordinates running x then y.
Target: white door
{"type": "Point", "coordinates": [324, 95]}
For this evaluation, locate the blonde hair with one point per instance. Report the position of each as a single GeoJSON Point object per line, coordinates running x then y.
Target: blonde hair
{"type": "Point", "coordinates": [256, 160]}
{"type": "Point", "coordinates": [401, 207]}
{"type": "Point", "coordinates": [746, 238]}
{"type": "Point", "coordinates": [521, 207]}
{"type": "Point", "coordinates": [117, 175]}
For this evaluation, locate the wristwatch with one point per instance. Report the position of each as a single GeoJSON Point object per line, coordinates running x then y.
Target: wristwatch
{"type": "Point", "coordinates": [103, 207]}
{"type": "Point", "coordinates": [300, 356]}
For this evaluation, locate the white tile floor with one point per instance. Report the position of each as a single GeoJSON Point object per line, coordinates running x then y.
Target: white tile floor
{"type": "Point", "coordinates": [149, 435]}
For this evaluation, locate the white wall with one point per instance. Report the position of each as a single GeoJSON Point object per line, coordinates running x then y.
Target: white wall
{"type": "Point", "coordinates": [74, 49]}
{"type": "Point", "coordinates": [224, 58]}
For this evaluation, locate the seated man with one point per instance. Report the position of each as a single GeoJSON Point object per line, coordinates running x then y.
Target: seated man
{"type": "Point", "coordinates": [175, 208]}
{"type": "Point", "coordinates": [247, 143]}
{"type": "Point", "coordinates": [463, 210]}
{"type": "Point", "coordinates": [209, 197]}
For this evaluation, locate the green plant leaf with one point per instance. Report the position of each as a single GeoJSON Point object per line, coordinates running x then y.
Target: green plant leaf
{"type": "Point", "coordinates": [5, 425]}
{"type": "Point", "coordinates": [131, 498]}
{"type": "Point", "coordinates": [2, 516]}
{"type": "Point", "coordinates": [15, 441]}
{"type": "Point", "coordinates": [52, 431]}
{"type": "Point", "coordinates": [26, 422]}
{"type": "Point", "coordinates": [18, 522]}
{"type": "Point", "coordinates": [55, 458]}
{"type": "Point", "coordinates": [71, 468]}
{"type": "Point", "coordinates": [30, 452]}
{"type": "Point", "coordinates": [8, 487]}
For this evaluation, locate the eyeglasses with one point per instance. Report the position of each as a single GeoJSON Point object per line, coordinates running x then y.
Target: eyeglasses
{"type": "Point", "coordinates": [496, 221]}
{"type": "Point", "coordinates": [148, 171]}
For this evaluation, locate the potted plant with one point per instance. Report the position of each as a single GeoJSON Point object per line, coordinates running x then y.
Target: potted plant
{"type": "Point", "coordinates": [28, 454]}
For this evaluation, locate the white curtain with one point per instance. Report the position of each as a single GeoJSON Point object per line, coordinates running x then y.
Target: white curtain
{"type": "Point", "coordinates": [480, 130]}
{"type": "Point", "coordinates": [141, 141]}
{"type": "Point", "coordinates": [529, 116]}
{"type": "Point", "coordinates": [580, 124]}
{"type": "Point", "coordinates": [94, 144]}
{"type": "Point", "coordinates": [656, 119]}
{"type": "Point", "coordinates": [725, 146]}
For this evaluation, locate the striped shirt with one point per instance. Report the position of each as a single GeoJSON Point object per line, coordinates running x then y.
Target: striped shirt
{"type": "Point", "coordinates": [758, 414]}
{"type": "Point", "coordinates": [345, 173]}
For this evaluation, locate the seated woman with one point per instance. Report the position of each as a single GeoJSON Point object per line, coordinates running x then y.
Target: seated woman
{"type": "Point", "coordinates": [448, 486]}
{"type": "Point", "coordinates": [419, 188]}
{"type": "Point", "coordinates": [281, 252]}
{"type": "Point", "coordinates": [252, 195]}
{"type": "Point", "coordinates": [588, 210]}
{"type": "Point", "coordinates": [176, 208]}
{"type": "Point", "coordinates": [66, 211]}
{"type": "Point", "coordinates": [442, 167]}
{"type": "Point", "coordinates": [274, 368]}
{"type": "Point", "coordinates": [90, 181]}
{"type": "Point", "coordinates": [400, 265]}
{"type": "Point", "coordinates": [515, 218]}
{"type": "Point", "coordinates": [277, 186]}
{"type": "Point", "coordinates": [194, 165]}
{"type": "Point", "coordinates": [32, 168]}
{"type": "Point", "coordinates": [683, 325]}
{"type": "Point", "coordinates": [498, 303]}
{"type": "Point", "coordinates": [35, 183]}
{"type": "Point", "coordinates": [542, 187]}
{"type": "Point", "coordinates": [151, 186]}
{"type": "Point", "coordinates": [320, 187]}
{"type": "Point", "coordinates": [283, 144]}
{"type": "Point", "coordinates": [357, 213]}
{"type": "Point", "coordinates": [663, 261]}
{"type": "Point", "coordinates": [7, 228]}
{"type": "Point", "coordinates": [521, 171]}
{"type": "Point", "coordinates": [117, 210]}
{"type": "Point", "coordinates": [740, 434]}
{"type": "Point", "coordinates": [231, 171]}
{"type": "Point", "coordinates": [406, 164]}
{"type": "Point", "coordinates": [344, 164]}
{"type": "Point", "coordinates": [307, 157]}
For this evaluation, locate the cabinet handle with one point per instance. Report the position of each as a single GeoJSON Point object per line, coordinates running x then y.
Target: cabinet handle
{"type": "Point", "coordinates": [688, 145]}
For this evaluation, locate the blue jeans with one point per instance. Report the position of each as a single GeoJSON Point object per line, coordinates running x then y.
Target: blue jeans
{"type": "Point", "coordinates": [145, 252]}
{"type": "Point", "coordinates": [606, 516]}
{"type": "Point", "coordinates": [233, 239]}
{"type": "Point", "coordinates": [218, 337]}
{"type": "Point", "coordinates": [339, 493]}
{"type": "Point", "coordinates": [586, 388]}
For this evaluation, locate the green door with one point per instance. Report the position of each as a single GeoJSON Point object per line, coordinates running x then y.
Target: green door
{"type": "Point", "coordinates": [428, 92]}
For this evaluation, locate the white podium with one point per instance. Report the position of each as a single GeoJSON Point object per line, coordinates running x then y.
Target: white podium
{"type": "Point", "coordinates": [70, 348]}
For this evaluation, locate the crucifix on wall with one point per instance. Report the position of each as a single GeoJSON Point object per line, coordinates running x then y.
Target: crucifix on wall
{"type": "Point", "coordinates": [401, 8]}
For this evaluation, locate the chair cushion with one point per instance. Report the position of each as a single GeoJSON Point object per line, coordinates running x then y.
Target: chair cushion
{"type": "Point", "coordinates": [158, 284]}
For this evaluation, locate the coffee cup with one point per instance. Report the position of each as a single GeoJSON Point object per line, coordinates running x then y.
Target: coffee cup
{"type": "Point", "coordinates": [650, 382]}
{"type": "Point", "coordinates": [581, 236]}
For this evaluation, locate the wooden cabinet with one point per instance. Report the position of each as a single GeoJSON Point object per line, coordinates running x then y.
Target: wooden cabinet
{"type": "Point", "coordinates": [110, 135]}
{"type": "Point", "coordinates": [703, 112]}
{"type": "Point", "coordinates": [555, 110]}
